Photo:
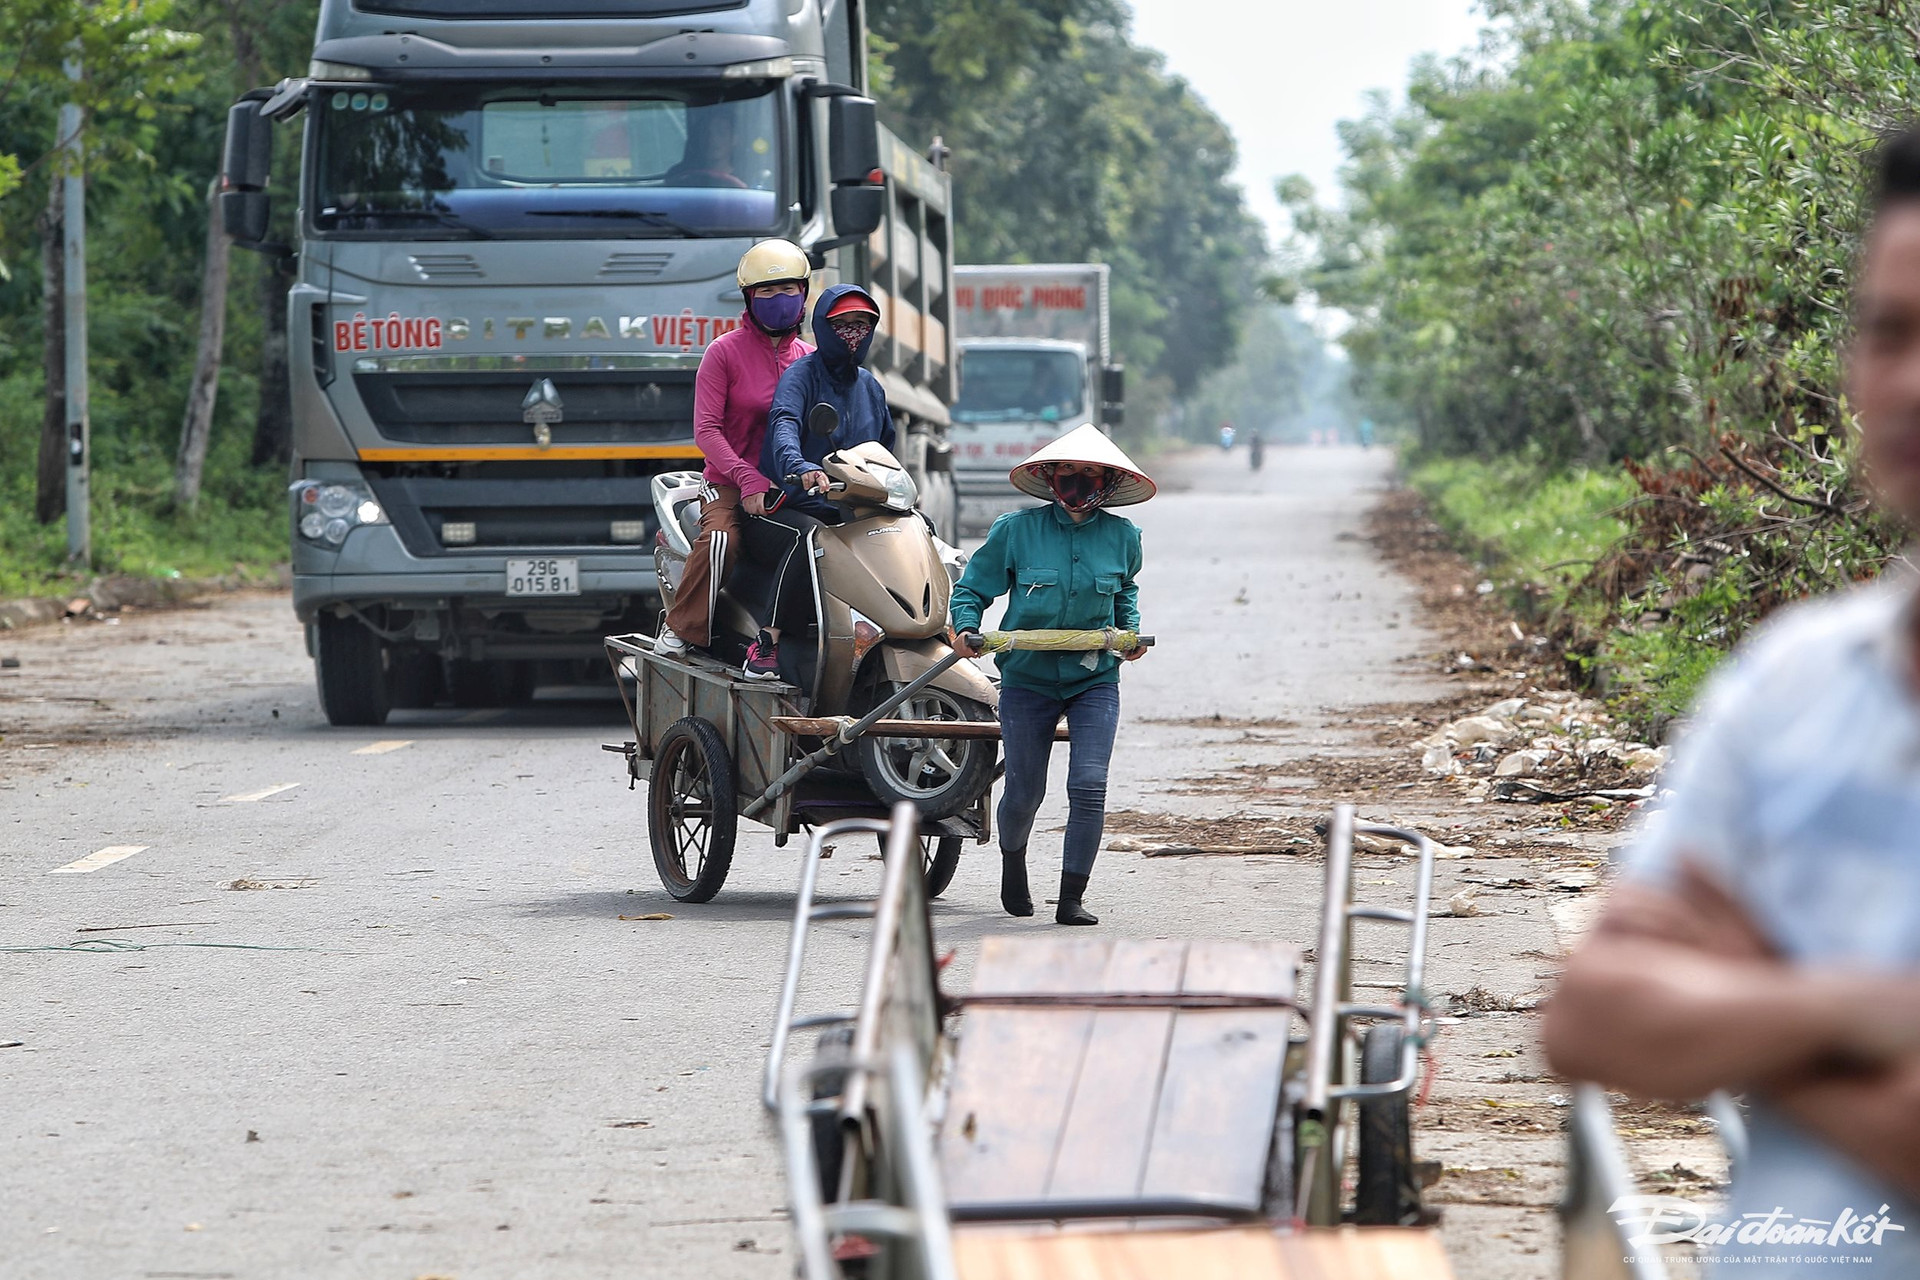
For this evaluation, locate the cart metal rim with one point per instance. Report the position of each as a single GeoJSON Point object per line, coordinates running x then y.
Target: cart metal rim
{"type": "Point", "coordinates": [689, 796]}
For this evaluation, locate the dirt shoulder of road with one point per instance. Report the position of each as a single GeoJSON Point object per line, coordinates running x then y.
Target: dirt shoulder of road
{"type": "Point", "coordinates": [116, 594]}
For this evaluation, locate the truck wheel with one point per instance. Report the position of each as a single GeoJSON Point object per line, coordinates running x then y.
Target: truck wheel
{"type": "Point", "coordinates": [1387, 1192]}
{"type": "Point", "coordinates": [492, 683]}
{"type": "Point", "coordinates": [941, 502]}
{"type": "Point", "coordinates": [941, 776]}
{"type": "Point", "coordinates": [413, 679]}
{"type": "Point", "coordinates": [691, 814]}
{"type": "Point", "coordinates": [350, 667]}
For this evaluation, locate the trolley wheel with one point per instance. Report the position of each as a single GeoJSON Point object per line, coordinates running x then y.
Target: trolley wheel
{"type": "Point", "coordinates": [691, 818]}
{"type": "Point", "coordinates": [350, 666]}
{"type": "Point", "coordinates": [939, 860]}
{"type": "Point", "coordinates": [829, 1141]}
{"type": "Point", "coordinates": [938, 776]}
{"type": "Point", "coordinates": [1388, 1190]}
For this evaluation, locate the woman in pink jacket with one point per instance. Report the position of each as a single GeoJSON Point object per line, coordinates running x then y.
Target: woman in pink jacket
{"type": "Point", "coordinates": [731, 396]}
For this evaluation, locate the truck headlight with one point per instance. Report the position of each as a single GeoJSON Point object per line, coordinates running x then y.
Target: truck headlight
{"type": "Point", "coordinates": [326, 511]}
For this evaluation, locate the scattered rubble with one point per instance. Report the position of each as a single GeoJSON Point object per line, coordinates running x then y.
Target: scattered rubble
{"type": "Point", "coordinates": [1552, 746]}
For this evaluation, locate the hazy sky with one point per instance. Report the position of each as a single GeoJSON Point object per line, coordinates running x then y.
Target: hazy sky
{"type": "Point", "coordinates": [1282, 72]}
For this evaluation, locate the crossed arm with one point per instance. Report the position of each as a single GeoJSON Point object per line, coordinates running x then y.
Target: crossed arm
{"type": "Point", "coordinates": [1678, 993]}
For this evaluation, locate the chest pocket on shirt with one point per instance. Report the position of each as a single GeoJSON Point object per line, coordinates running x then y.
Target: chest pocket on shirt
{"type": "Point", "coordinates": [1032, 581]}
{"type": "Point", "coordinates": [1108, 584]}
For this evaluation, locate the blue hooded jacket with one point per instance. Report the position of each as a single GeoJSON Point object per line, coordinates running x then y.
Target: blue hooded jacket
{"type": "Point", "coordinates": [831, 375]}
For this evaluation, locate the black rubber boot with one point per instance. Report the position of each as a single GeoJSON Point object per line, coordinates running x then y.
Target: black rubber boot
{"type": "Point", "coordinates": [1069, 911]}
{"type": "Point", "coordinates": [1014, 894]}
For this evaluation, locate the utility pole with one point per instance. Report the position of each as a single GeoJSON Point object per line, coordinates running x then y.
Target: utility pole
{"type": "Point", "coordinates": [79, 429]}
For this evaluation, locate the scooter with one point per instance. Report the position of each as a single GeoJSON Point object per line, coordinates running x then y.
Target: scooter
{"type": "Point", "coordinates": [880, 583]}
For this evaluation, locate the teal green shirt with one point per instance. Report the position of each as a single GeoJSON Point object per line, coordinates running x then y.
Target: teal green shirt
{"type": "Point", "coordinates": [1055, 573]}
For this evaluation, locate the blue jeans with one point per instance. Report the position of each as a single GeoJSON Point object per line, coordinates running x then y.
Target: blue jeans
{"type": "Point", "coordinates": [1027, 721]}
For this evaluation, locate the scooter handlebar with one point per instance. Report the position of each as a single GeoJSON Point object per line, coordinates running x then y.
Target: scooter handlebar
{"type": "Point", "coordinates": [1108, 639]}
{"type": "Point", "coordinates": [833, 486]}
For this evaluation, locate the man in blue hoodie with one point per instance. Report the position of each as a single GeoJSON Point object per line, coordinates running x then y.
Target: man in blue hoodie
{"type": "Point", "coordinates": [843, 324]}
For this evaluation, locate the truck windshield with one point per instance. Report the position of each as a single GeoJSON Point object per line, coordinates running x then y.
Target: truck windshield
{"type": "Point", "coordinates": [1009, 384]}
{"type": "Point", "coordinates": [544, 160]}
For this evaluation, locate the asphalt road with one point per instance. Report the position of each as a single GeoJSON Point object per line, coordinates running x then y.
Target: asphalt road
{"type": "Point", "coordinates": [431, 1045]}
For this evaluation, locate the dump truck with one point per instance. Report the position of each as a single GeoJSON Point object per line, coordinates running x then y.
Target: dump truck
{"type": "Point", "coordinates": [516, 230]}
{"type": "Point", "coordinates": [1035, 362]}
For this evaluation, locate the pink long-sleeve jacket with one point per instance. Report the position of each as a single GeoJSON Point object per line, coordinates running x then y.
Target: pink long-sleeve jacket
{"type": "Point", "coordinates": [731, 396]}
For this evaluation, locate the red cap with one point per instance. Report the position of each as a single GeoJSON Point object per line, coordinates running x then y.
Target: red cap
{"type": "Point", "coordinates": [854, 303]}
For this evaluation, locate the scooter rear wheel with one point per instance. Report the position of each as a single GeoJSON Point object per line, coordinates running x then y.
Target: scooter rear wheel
{"type": "Point", "coordinates": [691, 816]}
{"type": "Point", "coordinates": [938, 776]}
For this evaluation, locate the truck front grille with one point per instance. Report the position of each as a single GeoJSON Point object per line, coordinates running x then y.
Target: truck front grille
{"type": "Point", "coordinates": [495, 507]}
{"type": "Point", "coordinates": [598, 406]}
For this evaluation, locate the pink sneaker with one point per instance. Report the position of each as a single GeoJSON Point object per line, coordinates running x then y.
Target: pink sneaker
{"type": "Point", "coordinates": [763, 659]}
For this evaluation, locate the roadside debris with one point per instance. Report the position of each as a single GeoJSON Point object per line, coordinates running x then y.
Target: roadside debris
{"type": "Point", "coordinates": [1549, 747]}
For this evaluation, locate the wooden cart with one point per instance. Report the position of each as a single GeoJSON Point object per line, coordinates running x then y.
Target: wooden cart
{"type": "Point", "coordinates": [1115, 1107]}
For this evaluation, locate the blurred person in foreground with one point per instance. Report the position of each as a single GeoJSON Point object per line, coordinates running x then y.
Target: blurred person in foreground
{"type": "Point", "coordinates": [1766, 937]}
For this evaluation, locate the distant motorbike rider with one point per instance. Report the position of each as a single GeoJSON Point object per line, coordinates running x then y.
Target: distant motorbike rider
{"type": "Point", "coordinates": [1069, 565]}
{"type": "Point", "coordinates": [843, 325]}
{"type": "Point", "coordinates": [732, 394]}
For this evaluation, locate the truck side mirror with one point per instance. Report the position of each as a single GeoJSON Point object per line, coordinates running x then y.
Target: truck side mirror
{"type": "Point", "coordinates": [853, 139]}
{"type": "Point", "coordinates": [246, 165]}
{"type": "Point", "coordinates": [858, 211]}
{"type": "Point", "coordinates": [1113, 394]}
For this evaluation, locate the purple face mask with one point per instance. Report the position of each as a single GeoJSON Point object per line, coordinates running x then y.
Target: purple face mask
{"type": "Point", "coordinates": [779, 312]}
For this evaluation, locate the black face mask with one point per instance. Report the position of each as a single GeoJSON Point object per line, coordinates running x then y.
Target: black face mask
{"type": "Point", "coordinates": [1077, 491]}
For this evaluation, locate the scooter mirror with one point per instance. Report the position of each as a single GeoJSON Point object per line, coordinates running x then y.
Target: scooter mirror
{"type": "Point", "coordinates": [823, 420]}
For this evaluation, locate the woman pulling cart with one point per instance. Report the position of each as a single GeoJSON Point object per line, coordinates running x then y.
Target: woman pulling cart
{"type": "Point", "coordinates": [1069, 565]}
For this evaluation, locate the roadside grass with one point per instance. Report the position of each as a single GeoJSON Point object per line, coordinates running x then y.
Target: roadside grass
{"type": "Point", "coordinates": [239, 527]}
{"type": "Point", "coordinates": [1538, 532]}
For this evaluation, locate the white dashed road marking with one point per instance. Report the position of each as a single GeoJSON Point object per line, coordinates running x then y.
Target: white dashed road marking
{"type": "Point", "coordinates": [262, 794]}
{"type": "Point", "coordinates": [381, 748]}
{"type": "Point", "coordinates": [99, 858]}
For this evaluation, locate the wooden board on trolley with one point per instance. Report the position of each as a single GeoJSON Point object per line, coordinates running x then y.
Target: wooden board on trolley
{"type": "Point", "coordinates": [1230, 1253]}
{"type": "Point", "coordinates": [1075, 1102]}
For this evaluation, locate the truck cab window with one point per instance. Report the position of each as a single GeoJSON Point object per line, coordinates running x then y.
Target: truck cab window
{"type": "Point", "coordinates": [536, 162]}
{"type": "Point", "coordinates": [1020, 385]}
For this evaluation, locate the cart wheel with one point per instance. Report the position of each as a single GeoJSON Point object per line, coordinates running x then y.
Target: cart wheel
{"type": "Point", "coordinates": [690, 810]}
{"type": "Point", "coordinates": [939, 859]}
{"type": "Point", "coordinates": [1388, 1191]}
{"type": "Point", "coordinates": [939, 776]}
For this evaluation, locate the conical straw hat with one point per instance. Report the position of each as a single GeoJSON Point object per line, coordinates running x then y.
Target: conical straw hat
{"type": "Point", "coordinates": [1084, 444]}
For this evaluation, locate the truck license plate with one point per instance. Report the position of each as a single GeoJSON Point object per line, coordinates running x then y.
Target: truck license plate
{"type": "Point", "coordinates": [543, 577]}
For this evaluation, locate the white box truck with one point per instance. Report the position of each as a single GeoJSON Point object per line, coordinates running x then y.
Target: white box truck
{"type": "Point", "coordinates": [1035, 362]}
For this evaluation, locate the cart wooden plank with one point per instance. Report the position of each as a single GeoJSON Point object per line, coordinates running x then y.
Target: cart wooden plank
{"type": "Point", "coordinates": [1053, 1103]}
{"type": "Point", "coordinates": [1220, 1090]}
{"type": "Point", "coordinates": [1238, 1253]}
{"type": "Point", "coordinates": [1107, 1133]}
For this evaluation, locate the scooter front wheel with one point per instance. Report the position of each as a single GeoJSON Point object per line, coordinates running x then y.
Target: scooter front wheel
{"type": "Point", "coordinates": [938, 776]}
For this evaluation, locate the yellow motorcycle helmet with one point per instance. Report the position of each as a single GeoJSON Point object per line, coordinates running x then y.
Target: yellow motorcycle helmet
{"type": "Point", "coordinates": [773, 262]}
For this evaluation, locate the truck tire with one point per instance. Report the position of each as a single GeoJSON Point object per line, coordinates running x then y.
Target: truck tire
{"type": "Point", "coordinates": [350, 667]}
{"type": "Point", "coordinates": [413, 679]}
{"type": "Point", "coordinates": [1387, 1192]}
{"type": "Point", "coordinates": [491, 683]}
